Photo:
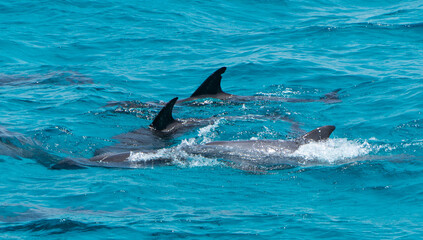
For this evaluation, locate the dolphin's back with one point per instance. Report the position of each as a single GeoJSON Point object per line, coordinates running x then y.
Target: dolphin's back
{"type": "Point", "coordinates": [263, 151]}
{"type": "Point", "coordinates": [252, 149]}
{"type": "Point", "coordinates": [258, 145]}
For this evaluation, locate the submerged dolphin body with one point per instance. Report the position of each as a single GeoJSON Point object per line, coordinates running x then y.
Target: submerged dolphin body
{"type": "Point", "coordinates": [253, 152]}
{"type": "Point", "coordinates": [16, 145]}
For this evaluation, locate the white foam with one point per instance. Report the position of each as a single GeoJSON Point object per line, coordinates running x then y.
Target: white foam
{"type": "Point", "coordinates": [177, 154]}
{"type": "Point", "coordinates": [417, 143]}
{"type": "Point", "coordinates": [206, 133]}
{"type": "Point", "coordinates": [144, 157]}
{"type": "Point", "coordinates": [280, 92]}
{"type": "Point", "coordinates": [332, 151]}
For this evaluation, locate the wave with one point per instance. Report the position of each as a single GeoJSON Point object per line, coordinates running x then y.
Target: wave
{"type": "Point", "coordinates": [52, 78]}
{"type": "Point", "coordinates": [56, 226]}
{"type": "Point", "coordinates": [357, 26]}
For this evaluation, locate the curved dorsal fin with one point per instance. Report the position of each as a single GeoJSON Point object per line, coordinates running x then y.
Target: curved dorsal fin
{"type": "Point", "coordinates": [318, 134]}
{"type": "Point", "coordinates": [164, 118]}
{"type": "Point", "coordinates": [211, 85]}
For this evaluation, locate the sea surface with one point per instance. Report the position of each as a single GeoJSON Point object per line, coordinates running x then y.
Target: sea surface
{"type": "Point", "coordinates": [66, 66]}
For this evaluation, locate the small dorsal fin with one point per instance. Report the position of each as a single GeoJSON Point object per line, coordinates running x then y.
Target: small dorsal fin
{"type": "Point", "coordinates": [164, 118]}
{"type": "Point", "coordinates": [211, 85]}
{"type": "Point", "coordinates": [332, 97]}
{"type": "Point", "coordinates": [318, 134]}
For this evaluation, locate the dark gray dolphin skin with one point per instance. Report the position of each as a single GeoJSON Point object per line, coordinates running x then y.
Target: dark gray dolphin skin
{"type": "Point", "coordinates": [211, 88]}
{"type": "Point", "coordinates": [253, 152]}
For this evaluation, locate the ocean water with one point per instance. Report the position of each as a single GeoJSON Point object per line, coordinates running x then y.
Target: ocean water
{"type": "Point", "coordinates": [63, 62]}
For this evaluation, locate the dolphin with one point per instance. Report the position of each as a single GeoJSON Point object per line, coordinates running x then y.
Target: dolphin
{"type": "Point", "coordinates": [211, 88]}
{"type": "Point", "coordinates": [159, 133]}
{"type": "Point", "coordinates": [268, 153]}
{"type": "Point", "coordinates": [248, 152]}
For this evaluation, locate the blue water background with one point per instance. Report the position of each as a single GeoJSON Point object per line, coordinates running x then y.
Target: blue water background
{"type": "Point", "coordinates": [61, 62]}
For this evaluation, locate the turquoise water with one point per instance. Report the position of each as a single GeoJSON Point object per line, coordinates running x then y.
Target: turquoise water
{"type": "Point", "coordinates": [62, 62]}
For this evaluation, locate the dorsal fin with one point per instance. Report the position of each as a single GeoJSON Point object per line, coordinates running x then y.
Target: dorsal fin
{"type": "Point", "coordinates": [211, 85]}
{"type": "Point", "coordinates": [318, 134]}
{"type": "Point", "coordinates": [164, 118]}
{"type": "Point", "coordinates": [332, 97]}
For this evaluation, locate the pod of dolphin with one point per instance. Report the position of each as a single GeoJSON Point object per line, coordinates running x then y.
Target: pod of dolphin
{"type": "Point", "coordinates": [154, 138]}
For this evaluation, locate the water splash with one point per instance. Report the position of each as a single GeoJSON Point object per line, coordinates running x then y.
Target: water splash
{"type": "Point", "coordinates": [145, 157]}
{"type": "Point", "coordinates": [177, 154]}
{"type": "Point", "coordinates": [332, 151]}
{"type": "Point", "coordinates": [207, 133]}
